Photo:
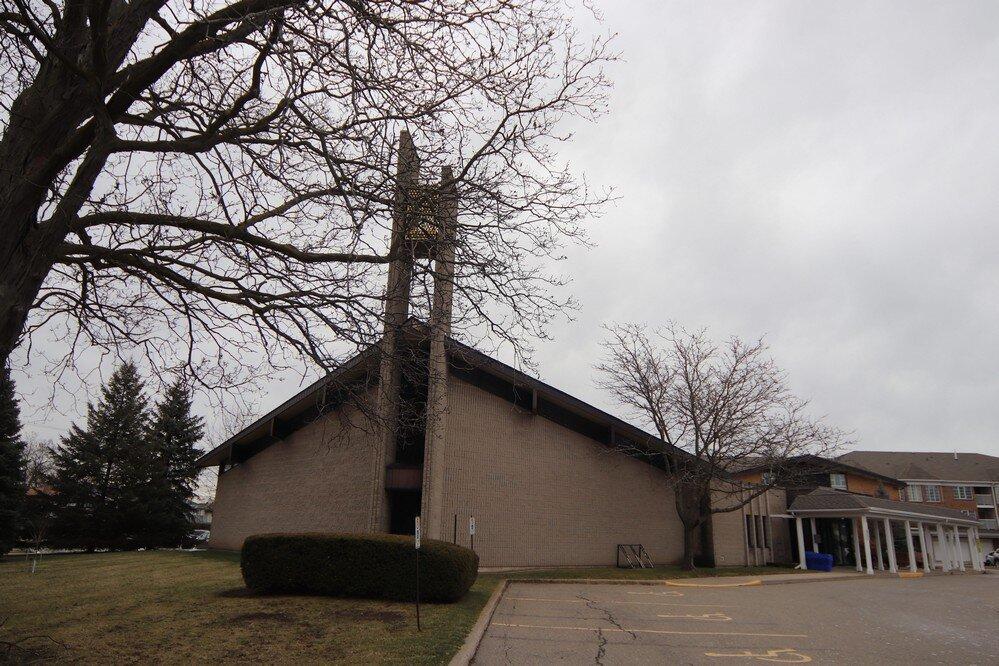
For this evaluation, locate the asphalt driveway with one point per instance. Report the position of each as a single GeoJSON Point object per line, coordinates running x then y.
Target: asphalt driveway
{"type": "Point", "coordinates": [937, 619]}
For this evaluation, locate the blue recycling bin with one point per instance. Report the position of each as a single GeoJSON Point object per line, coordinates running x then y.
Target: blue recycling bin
{"type": "Point", "coordinates": [818, 561]}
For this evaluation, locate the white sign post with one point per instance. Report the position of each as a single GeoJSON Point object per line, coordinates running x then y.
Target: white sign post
{"type": "Point", "coordinates": [416, 540]}
{"type": "Point", "coordinates": [471, 531]}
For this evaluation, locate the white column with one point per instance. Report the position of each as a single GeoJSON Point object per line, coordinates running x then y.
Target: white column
{"type": "Point", "coordinates": [877, 544]}
{"type": "Point", "coordinates": [815, 537]}
{"type": "Point", "coordinates": [856, 545]}
{"type": "Point", "coordinates": [957, 549]}
{"type": "Point", "coordinates": [924, 547]}
{"type": "Point", "coordinates": [867, 544]}
{"type": "Point", "coordinates": [931, 545]}
{"type": "Point", "coordinates": [944, 548]}
{"type": "Point", "coordinates": [801, 542]}
{"type": "Point", "coordinates": [976, 555]}
{"type": "Point", "coordinates": [890, 545]}
{"type": "Point", "coordinates": [908, 544]}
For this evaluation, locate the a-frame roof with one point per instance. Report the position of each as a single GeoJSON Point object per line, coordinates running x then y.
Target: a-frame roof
{"type": "Point", "coordinates": [469, 364]}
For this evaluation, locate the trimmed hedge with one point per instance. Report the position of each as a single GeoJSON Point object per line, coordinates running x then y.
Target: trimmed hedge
{"type": "Point", "coordinates": [379, 566]}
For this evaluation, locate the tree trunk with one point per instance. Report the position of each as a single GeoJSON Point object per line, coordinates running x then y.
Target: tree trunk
{"type": "Point", "coordinates": [688, 509]}
{"type": "Point", "coordinates": [689, 541]}
{"type": "Point", "coordinates": [706, 552]}
{"type": "Point", "coordinates": [20, 281]}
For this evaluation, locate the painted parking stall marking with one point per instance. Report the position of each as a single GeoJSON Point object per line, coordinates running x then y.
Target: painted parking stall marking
{"type": "Point", "coordinates": [779, 656]}
{"type": "Point", "coordinates": [646, 631]}
{"type": "Point", "coordinates": [717, 617]}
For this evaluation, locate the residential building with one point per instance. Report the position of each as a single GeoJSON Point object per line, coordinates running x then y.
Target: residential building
{"type": "Point", "coordinates": [966, 482]}
{"type": "Point", "coordinates": [201, 515]}
{"type": "Point", "coordinates": [801, 475]}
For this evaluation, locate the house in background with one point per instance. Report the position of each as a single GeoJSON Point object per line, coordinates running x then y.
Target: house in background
{"type": "Point", "coordinates": [966, 482]}
{"type": "Point", "coordinates": [201, 515]}
{"type": "Point", "coordinates": [801, 475]}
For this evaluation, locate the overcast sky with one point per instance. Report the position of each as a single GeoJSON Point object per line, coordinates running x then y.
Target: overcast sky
{"type": "Point", "coordinates": [826, 175]}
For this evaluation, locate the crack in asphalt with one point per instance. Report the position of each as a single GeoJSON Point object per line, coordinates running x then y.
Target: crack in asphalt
{"type": "Point", "coordinates": [609, 616]}
{"type": "Point", "coordinates": [601, 646]}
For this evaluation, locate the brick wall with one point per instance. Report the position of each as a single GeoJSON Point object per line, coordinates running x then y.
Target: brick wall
{"type": "Point", "coordinates": [314, 480]}
{"type": "Point", "coordinates": [543, 495]}
{"type": "Point", "coordinates": [948, 499]}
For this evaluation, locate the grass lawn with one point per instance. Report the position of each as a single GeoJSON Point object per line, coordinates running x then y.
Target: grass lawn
{"type": "Point", "coordinates": [173, 607]}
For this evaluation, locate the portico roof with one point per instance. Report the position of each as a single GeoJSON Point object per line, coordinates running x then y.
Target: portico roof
{"type": "Point", "coordinates": [830, 503]}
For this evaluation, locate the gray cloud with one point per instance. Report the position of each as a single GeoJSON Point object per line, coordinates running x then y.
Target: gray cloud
{"type": "Point", "coordinates": [823, 175]}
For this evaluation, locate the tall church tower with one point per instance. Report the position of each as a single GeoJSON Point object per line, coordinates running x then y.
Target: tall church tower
{"type": "Point", "coordinates": [412, 384]}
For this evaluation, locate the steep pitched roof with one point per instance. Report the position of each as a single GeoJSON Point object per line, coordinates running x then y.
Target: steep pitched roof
{"type": "Point", "coordinates": [467, 363]}
{"type": "Point", "coordinates": [923, 466]}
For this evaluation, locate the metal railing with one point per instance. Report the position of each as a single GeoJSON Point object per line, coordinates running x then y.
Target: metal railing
{"type": "Point", "coordinates": [989, 523]}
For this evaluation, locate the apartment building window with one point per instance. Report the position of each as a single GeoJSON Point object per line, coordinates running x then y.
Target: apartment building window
{"type": "Point", "coordinates": [768, 478]}
{"type": "Point", "coordinates": [915, 493]}
{"type": "Point", "coordinates": [837, 481]}
{"type": "Point", "coordinates": [963, 492]}
{"type": "Point", "coordinates": [932, 493]}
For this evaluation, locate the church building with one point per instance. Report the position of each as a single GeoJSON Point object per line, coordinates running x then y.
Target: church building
{"type": "Point", "coordinates": [421, 425]}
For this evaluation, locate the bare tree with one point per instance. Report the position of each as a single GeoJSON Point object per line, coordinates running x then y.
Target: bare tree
{"type": "Point", "coordinates": [202, 180]}
{"type": "Point", "coordinates": [717, 408]}
{"type": "Point", "coordinates": [40, 463]}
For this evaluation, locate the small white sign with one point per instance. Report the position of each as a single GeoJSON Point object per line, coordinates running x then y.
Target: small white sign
{"type": "Point", "coordinates": [471, 525]}
{"type": "Point", "coordinates": [417, 533]}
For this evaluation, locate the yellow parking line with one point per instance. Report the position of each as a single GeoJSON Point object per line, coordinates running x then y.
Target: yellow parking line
{"type": "Point", "coordinates": [636, 603]}
{"type": "Point", "coordinates": [671, 593]}
{"type": "Point", "coordinates": [779, 655]}
{"type": "Point", "coordinates": [647, 631]}
{"type": "Point", "coordinates": [748, 583]}
{"type": "Point", "coordinates": [717, 617]}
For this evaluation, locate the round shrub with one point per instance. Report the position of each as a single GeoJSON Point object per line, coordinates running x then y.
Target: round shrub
{"type": "Point", "coordinates": [379, 566]}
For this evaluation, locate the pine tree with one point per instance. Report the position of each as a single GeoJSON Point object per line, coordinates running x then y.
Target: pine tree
{"type": "Point", "coordinates": [103, 472]}
{"type": "Point", "coordinates": [174, 433]}
{"type": "Point", "coordinates": [11, 463]}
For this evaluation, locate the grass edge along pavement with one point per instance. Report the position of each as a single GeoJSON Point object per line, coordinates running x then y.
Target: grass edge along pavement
{"type": "Point", "coordinates": [176, 606]}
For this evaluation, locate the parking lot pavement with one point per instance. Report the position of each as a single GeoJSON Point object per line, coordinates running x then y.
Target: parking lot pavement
{"type": "Point", "coordinates": [932, 620]}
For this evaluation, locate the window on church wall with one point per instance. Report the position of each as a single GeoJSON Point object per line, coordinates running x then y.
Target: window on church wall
{"type": "Point", "coordinates": [963, 492]}
{"type": "Point", "coordinates": [932, 493]}
{"type": "Point", "coordinates": [915, 493]}
{"type": "Point", "coordinates": [837, 481]}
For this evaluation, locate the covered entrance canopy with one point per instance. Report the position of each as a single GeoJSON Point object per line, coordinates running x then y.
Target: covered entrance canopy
{"type": "Point", "coordinates": [867, 514]}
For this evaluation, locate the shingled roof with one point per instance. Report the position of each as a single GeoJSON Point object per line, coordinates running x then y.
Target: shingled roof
{"type": "Point", "coordinates": [827, 501]}
{"type": "Point", "coordinates": [926, 466]}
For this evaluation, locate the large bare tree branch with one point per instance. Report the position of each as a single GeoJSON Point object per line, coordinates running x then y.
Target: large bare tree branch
{"type": "Point", "coordinates": [213, 182]}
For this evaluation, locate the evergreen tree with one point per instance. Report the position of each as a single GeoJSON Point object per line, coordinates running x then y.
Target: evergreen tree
{"type": "Point", "coordinates": [102, 473]}
{"type": "Point", "coordinates": [11, 463]}
{"type": "Point", "coordinates": [174, 433]}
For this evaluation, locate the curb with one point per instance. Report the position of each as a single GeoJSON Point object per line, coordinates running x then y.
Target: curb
{"type": "Point", "coordinates": [466, 653]}
{"type": "Point", "coordinates": [675, 583]}
{"type": "Point", "coordinates": [745, 583]}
